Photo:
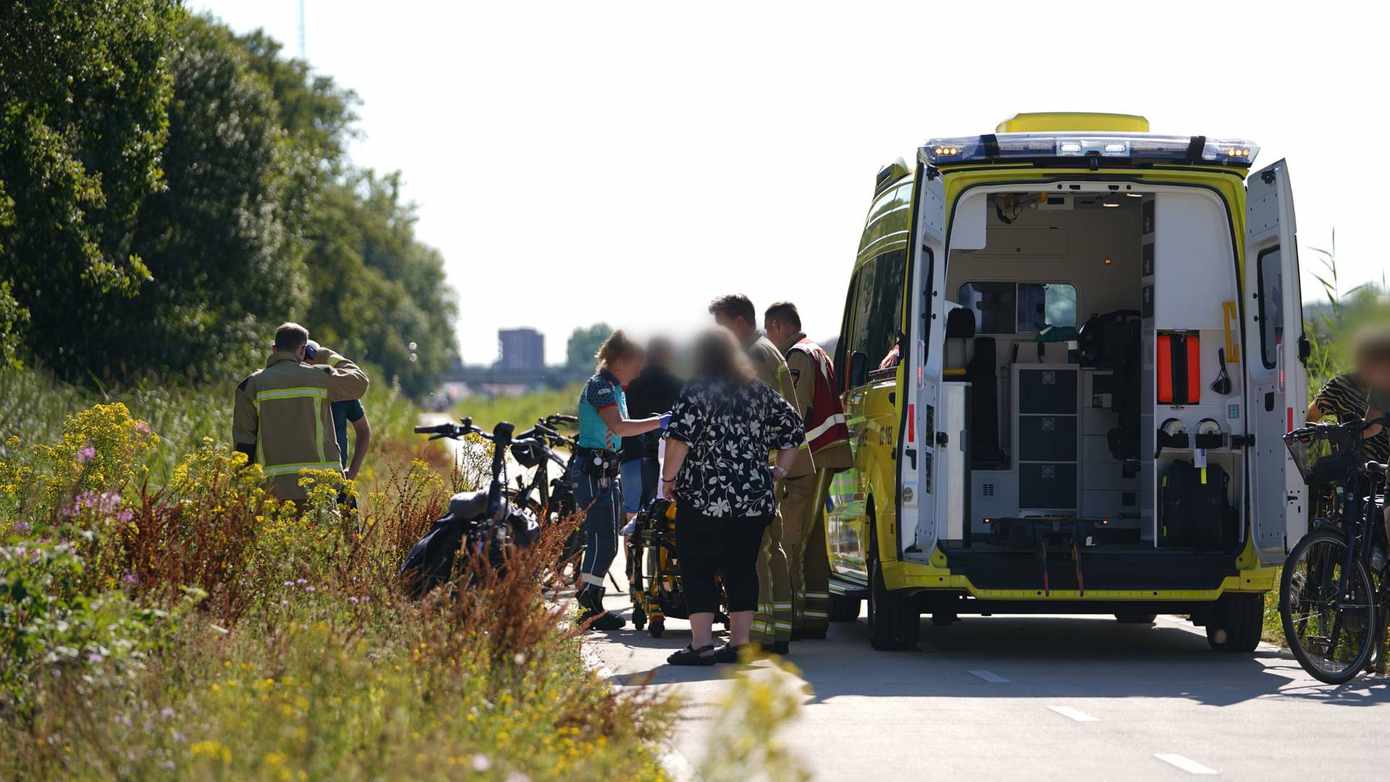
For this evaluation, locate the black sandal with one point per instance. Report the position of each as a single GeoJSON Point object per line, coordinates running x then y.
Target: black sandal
{"type": "Point", "coordinates": [691, 656]}
{"type": "Point", "coordinates": [728, 653]}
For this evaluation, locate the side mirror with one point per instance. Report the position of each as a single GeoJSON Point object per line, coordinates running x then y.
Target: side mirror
{"type": "Point", "coordinates": [858, 369]}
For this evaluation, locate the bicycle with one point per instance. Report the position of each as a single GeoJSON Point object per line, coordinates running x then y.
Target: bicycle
{"type": "Point", "coordinates": [492, 522]}
{"type": "Point", "coordinates": [1333, 593]}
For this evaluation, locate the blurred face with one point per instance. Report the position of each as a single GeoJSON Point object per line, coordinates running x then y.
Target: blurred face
{"type": "Point", "coordinates": [1375, 373]}
{"type": "Point", "coordinates": [740, 327]}
{"type": "Point", "coordinates": [627, 367]}
{"type": "Point", "coordinates": [779, 332]}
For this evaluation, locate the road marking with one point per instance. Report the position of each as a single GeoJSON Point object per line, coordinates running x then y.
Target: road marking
{"type": "Point", "coordinates": [1073, 714]}
{"type": "Point", "coordinates": [1185, 763]}
{"type": "Point", "coordinates": [989, 676]}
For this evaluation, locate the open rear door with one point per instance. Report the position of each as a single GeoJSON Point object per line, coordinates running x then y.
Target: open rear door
{"type": "Point", "coordinates": [924, 462]}
{"type": "Point", "coordinates": [1274, 353]}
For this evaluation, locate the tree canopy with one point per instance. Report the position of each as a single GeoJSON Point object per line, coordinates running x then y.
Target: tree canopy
{"type": "Point", "coordinates": [170, 191]}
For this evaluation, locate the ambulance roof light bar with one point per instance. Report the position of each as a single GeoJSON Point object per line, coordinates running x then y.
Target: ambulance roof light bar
{"type": "Point", "coordinates": [1140, 147]}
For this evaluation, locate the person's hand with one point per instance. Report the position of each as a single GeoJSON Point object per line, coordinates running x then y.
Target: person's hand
{"type": "Point", "coordinates": [665, 421]}
{"type": "Point", "coordinates": [352, 474]}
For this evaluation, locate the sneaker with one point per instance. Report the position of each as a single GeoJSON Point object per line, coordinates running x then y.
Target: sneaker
{"type": "Point", "coordinates": [628, 529]}
{"type": "Point", "coordinates": [705, 655]}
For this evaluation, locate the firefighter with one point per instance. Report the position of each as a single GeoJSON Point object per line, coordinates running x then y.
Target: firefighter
{"type": "Point", "coordinates": [803, 517]}
{"type": "Point", "coordinates": [772, 623]}
{"type": "Point", "coordinates": [282, 414]}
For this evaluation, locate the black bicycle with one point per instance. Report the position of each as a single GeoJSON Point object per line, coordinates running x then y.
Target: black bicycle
{"type": "Point", "coordinates": [1332, 596]}
{"type": "Point", "coordinates": [491, 523]}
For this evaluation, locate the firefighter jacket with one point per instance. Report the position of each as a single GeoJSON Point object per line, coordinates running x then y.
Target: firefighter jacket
{"type": "Point", "coordinates": [772, 370]}
{"type": "Point", "coordinates": [283, 411]}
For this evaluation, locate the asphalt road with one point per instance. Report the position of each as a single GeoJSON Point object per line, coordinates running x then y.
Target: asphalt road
{"type": "Point", "coordinates": [1021, 697]}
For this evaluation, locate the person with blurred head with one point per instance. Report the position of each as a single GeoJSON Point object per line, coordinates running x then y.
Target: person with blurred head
{"type": "Point", "coordinates": [282, 414]}
{"type": "Point", "coordinates": [1347, 396]}
{"type": "Point", "coordinates": [594, 468]}
{"type": "Point", "coordinates": [651, 393]}
{"type": "Point", "coordinates": [772, 627]}
{"type": "Point", "coordinates": [348, 411]}
{"type": "Point", "coordinates": [722, 428]}
{"type": "Point", "coordinates": [1372, 351]}
{"type": "Point", "coordinates": [826, 452]}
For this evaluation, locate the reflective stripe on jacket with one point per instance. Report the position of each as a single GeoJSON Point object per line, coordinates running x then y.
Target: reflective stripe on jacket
{"type": "Point", "coordinates": [284, 412]}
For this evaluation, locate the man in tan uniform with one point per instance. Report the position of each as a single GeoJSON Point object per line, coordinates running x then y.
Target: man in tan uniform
{"type": "Point", "coordinates": [282, 416]}
{"type": "Point", "coordinates": [803, 516]}
{"type": "Point", "coordinates": [772, 624]}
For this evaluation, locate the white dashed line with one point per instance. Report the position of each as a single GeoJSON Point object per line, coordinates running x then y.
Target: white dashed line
{"type": "Point", "coordinates": [1185, 763]}
{"type": "Point", "coordinates": [989, 676]}
{"type": "Point", "coordinates": [1072, 714]}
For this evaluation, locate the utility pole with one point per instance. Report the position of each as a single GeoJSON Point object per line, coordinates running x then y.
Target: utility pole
{"type": "Point", "coordinates": [303, 53]}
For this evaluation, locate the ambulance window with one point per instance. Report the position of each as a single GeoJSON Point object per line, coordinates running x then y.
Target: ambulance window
{"type": "Point", "coordinates": [1271, 271]}
{"type": "Point", "coordinates": [1019, 308]}
{"type": "Point", "coordinates": [878, 309]}
{"type": "Point", "coordinates": [993, 304]}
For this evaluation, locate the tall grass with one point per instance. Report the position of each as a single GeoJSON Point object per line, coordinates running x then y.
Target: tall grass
{"type": "Point", "coordinates": [193, 628]}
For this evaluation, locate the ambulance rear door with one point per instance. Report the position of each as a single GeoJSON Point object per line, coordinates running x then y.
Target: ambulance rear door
{"type": "Point", "coordinates": [929, 459]}
{"type": "Point", "coordinates": [1275, 348]}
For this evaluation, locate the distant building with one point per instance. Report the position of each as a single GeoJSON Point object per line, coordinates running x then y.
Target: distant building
{"type": "Point", "coordinates": [520, 350]}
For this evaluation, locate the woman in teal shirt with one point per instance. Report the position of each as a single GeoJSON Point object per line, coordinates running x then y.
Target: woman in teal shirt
{"type": "Point", "coordinates": [594, 470]}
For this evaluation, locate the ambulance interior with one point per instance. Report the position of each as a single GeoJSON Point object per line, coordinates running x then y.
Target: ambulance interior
{"type": "Point", "coordinates": [1094, 336]}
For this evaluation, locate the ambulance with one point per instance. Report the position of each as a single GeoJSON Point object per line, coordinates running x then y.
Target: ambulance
{"type": "Point", "coordinates": [1069, 350]}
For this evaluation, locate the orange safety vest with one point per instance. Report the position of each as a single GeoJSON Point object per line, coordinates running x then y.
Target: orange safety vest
{"type": "Point", "coordinates": [825, 420]}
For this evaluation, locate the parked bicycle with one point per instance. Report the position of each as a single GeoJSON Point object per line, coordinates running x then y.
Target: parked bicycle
{"type": "Point", "coordinates": [489, 522]}
{"type": "Point", "coordinates": [1333, 594]}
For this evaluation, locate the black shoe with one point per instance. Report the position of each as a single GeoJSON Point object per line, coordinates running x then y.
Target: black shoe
{"type": "Point", "coordinates": [705, 655]}
{"type": "Point", "coordinates": [728, 653]}
{"type": "Point", "coordinates": [781, 647]}
{"type": "Point", "coordinates": [601, 621]}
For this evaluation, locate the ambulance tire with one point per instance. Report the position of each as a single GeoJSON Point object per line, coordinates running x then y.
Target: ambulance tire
{"type": "Point", "coordinates": [844, 608]}
{"type": "Point", "coordinates": [1237, 623]}
{"type": "Point", "coordinates": [893, 619]}
{"type": "Point", "coordinates": [1132, 617]}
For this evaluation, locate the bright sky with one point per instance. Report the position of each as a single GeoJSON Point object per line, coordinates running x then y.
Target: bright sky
{"type": "Point", "coordinates": [627, 162]}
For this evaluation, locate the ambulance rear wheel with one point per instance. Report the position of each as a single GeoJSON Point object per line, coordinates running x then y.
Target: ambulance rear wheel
{"type": "Point", "coordinates": [1237, 623]}
{"type": "Point", "coordinates": [1132, 617]}
{"type": "Point", "coordinates": [893, 619]}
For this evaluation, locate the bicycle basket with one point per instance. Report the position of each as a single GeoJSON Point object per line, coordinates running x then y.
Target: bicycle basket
{"type": "Point", "coordinates": [1324, 454]}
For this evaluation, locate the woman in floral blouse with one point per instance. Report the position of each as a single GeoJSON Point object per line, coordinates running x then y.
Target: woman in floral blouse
{"type": "Point", "coordinates": [721, 431]}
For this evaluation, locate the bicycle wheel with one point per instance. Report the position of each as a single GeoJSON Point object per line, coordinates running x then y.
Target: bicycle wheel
{"type": "Point", "coordinates": [1331, 632]}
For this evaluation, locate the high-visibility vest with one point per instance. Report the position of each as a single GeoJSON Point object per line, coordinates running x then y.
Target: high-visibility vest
{"type": "Point", "coordinates": [825, 418]}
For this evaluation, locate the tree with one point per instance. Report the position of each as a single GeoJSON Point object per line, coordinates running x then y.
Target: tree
{"type": "Point", "coordinates": [379, 294]}
{"type": "Point", "coordinates": [83, 102]}
{"type": "Point", "coordinates": [221, 241]}
{"type": "Point", "coordinates": [583, 344]}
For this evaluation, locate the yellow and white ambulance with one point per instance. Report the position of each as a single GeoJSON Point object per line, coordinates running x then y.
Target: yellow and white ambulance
{"type": "Point", "coordinates": [1069, 350]}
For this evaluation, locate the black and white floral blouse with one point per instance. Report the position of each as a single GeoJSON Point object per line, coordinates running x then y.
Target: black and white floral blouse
{"type": "Point", "coordinates": [730, 428]}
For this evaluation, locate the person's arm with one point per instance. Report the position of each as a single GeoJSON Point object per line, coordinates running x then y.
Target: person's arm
{"type": "Point", "coordinates": [783, 465]}
{"type": "Point", "coordinates": [676, 451]}
{"type": "Point", "coordinates": [245, 422]}
{"type": "Point", "coordinates": [346, 380]}
{"type": "Point", "coordinates": [627, 427]}
{"type": "Point", "coordinates": [803, 376]}
{"type": "Point", "coordinates": [363, 430]}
